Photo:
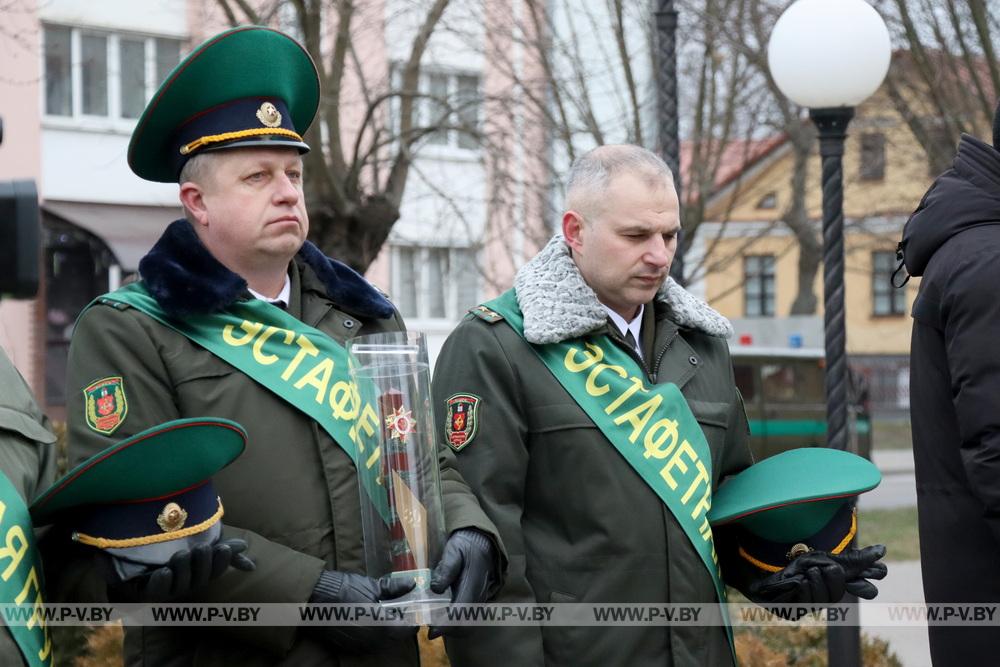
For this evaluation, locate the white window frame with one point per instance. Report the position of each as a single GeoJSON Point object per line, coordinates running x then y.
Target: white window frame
{"type": "Point", "coordinates": [451, 148]}
{"type": "Point", "coordinates": [113, 122]}
{"type": "Point", "coordinates": [422, 263]}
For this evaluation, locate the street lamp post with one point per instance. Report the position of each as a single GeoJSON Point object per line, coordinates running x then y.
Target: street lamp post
{"type": "Point", "coordinates": [666, 105]}
{"type": "Point", "coordinates": [829, 56]}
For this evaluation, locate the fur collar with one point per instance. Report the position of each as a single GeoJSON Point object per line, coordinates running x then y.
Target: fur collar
{"type": "Point", "coordinates": [558, 305]}
{"type": "Point", "coordinates": [185, 279]}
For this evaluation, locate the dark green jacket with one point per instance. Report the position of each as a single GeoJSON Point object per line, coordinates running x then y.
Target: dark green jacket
{"type": "Point", "coordinates": [293, 494]}
{"type": "Point", "coordinates": [578, 522]}
{"type": "Point", "coordinates": [27, 457]}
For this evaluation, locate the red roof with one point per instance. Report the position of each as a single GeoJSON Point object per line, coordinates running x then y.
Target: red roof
{"type": "Point", "coordinates": [729, 160]}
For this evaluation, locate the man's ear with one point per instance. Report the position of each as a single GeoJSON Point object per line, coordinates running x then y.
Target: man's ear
{"type": "Point", "coordinates": [572, 225]}
{"type": "Point", "coordinates": [193, 200]}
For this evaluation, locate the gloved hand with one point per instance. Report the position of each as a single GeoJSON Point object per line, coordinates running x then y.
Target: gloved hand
{"type": "Point", "coordinates": [860, 565]}
{"type": "Point", "coordinates": [818, 577]}
{"type": "Point", "coordinates": [468, 565]}
{"type": "Point", "coordinates": [346, 588]}
{"type": "Point", "coordinates": [185, 572]}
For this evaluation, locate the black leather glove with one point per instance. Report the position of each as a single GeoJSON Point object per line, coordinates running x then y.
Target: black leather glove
{"type": "Point", "coordinates": [468, 565]}
{"type": "Point", "coordinates": [818, 577]}
{"type": "Point", "coordinates": [346, 588]}
{"type": "Point", "coordinates": [860, 565]}
{"type": "Point", "coordinates": [185, 572]}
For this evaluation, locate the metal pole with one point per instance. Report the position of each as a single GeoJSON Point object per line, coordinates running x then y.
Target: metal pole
{"type": "Point", "coordinates": [666, 107]}
{"type": "Point", "coordinates": [832, 126]}
{"type": "Point", "coordinates": [843, 642]}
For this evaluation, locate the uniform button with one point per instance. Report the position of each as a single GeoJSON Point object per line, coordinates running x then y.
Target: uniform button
{"type": "Point", "coordinates": [348, 324]}
{"type": "Point", "coordinates": [694, 360]}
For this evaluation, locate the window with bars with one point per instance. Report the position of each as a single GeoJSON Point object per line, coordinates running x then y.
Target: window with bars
{"type": "Point", "coordinates": [434, 283]}
{"type": "Point", "coordinates": [886, 299]}
{"type": "Point", "coordinates": [758, 285]}
{"type": "Point", "coordinates": [448, 105]}
{"type": "Point", "coordinates": [103, 74]}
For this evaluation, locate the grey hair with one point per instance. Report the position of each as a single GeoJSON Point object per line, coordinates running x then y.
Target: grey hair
{"type": "Point", "coordinates": [592, 173]}
{"type": "Point", "coordinates": [196, 169]}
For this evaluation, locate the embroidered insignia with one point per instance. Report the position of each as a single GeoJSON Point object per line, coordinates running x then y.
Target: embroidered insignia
{"type": "Point", "coordinates": [172, 518]}
{"type": "Point", "coordinates": [401, 424]}
{"type": "Point", "coordinates": [462, 419]}
{"type": "Point", "coordinates": [105, 405]}
{"type": "Point", "coordinates": [269, 115]}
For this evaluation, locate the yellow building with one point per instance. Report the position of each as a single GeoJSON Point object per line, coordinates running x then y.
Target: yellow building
{"type": "Point", "coordinates": [752, 257]}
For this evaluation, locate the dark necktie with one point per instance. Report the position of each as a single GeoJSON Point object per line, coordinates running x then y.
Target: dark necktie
{"type": "Point", "coordinates": [630, 339]}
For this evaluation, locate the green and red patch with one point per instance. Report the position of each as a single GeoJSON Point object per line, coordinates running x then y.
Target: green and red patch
{"type": "Point", "coordinates": [462, 419]}
{"type": "Point", "coordinates": [105, 404]}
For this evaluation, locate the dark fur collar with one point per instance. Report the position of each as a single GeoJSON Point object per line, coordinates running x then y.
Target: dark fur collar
{"type": "Point", "coordinates": [185, 279]}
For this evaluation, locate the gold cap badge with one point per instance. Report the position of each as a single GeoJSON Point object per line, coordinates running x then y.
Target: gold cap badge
{"type": "Point", "coordinates": [171, 518]}
{"type": "Point", "coordinates": [798, 550]}
{"type": "Point", "coordinates": [269, 115]}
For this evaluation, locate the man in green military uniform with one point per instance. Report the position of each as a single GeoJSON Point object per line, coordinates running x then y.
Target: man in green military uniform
{"type": "Point", "coordinates": [27, 466]}
{"type": "Point", "coordinates": [561, 401]}
{"type": "Point", "coordinates": [238, 316]}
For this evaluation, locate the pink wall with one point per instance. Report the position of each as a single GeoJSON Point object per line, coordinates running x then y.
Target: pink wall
{"type": "Point", "coordinates": [516, 160]}
{"type": "Point", "coordinates": [20, 157]}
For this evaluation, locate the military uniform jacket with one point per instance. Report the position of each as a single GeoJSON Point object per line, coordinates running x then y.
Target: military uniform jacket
{"type": "Point", "coordinates": [293, 494]}
{"type": "Point", "coordinates": [27, 457]}
{"type": "Point", "coordinates": [579, 523]}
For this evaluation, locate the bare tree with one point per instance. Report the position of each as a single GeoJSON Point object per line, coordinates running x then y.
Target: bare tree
{"type": "Point", "coordinates": [589, 82]}
{"type": "Point", "coordinates": [945, 79]}
{"type": "Point", "coordinates": [355, 182]}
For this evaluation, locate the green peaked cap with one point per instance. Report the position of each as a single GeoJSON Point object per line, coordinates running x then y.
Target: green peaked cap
{"type": "Point", "coordinates": [793, 494]}
{"type": "Point", "coordinates": [243, 63]}
{"type": "Point", "coordinates": [157, 462]}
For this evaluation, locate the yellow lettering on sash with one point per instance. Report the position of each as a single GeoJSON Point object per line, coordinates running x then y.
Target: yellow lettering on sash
{"type": "Point", "coordinates": [705, 530]}
{"type": "Point", "coordinates": [29, 583]}
{"type": "Point", "coordinates": [590, 358]}
{"type": "Point", "coordinates": [305, 347]}
{"type": "Point", "coordinates": [15, 532]}
{"type": "Point", "coordinates": [639, 415]}
{"type": "Point", "coordinates": [367, 421]}
{"type": "Point", "coordinates": [318, 377]}
{"type": "Point", "coordinates": [592, 387]}
{"type": "Point", "coordinates": [43, 653]}
{"type": "Point", "coordinates": [676, 462]}
{"type": "Point", "coordinates": [258, 346]}
{"type": "Point", "coordinates": [344, 400]}
{"type": "Point", "coordinates": [704, 504]}
{"type": "Point", "coordinates": [615, 404]}
{"type": "Point", "coordinates": [251, 329]}
{"type": "Point", "coordinates": [3, 509]}
{"type": "Point", "coordinates": [654, 442]}
{"type": "Point", "coordinates": [701, 476]}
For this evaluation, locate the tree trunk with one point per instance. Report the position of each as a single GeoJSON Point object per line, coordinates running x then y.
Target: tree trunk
{"type": "Point", "coordinates": [355, 238]}
{"type": "Point", "coordinates": [797, 219]}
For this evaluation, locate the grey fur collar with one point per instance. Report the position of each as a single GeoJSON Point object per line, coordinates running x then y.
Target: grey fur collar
{"type": "Point", "coordinates": [558, 305]}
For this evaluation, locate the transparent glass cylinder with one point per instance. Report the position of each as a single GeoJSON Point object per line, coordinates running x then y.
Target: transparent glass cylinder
{"type": "Point", "coordinates": [401, 507]}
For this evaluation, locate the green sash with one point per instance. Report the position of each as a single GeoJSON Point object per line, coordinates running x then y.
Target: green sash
{"type": "Point", "coordinates": [298, 363]}
{"type": "Point", "coordinates": [21, 576]}
{"type": "Point", "coordinates": [650, 425]}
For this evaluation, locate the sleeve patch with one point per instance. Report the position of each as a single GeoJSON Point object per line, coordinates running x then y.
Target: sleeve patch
{"type": "Point", "coordinates": [461, 420]}
{"type": "Point", "coordinates": [105, 406]}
